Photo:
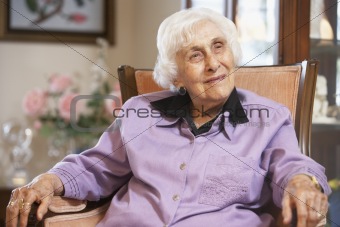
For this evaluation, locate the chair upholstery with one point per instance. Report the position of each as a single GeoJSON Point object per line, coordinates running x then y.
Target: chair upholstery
{"type": "Point", "coordinates": [291, 85]}
{"type": "Point", "coordinates": [65, 212]}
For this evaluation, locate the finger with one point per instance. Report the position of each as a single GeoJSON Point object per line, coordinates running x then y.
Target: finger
{"type": "Point", "coordinates": [12, 214]}
{"type": "Point", "coordinates": [313, 209]}
{"type": "Point", "coordinates": [324, 205]}
{"type": "Point", "coordinates": [323, 210]}
{"type": "Point", "coordinates": [12, 210]}
{"type": "Point", "coordinates": [286, 209]}
{"type": "Point", "coordinates": [30, 196]}
{"type": "Point", "coordinates": [301, 210]}
{"type": "Point", "coordinates": [43, 207]}
{"type": "Point", "coordinates": [24, 212]}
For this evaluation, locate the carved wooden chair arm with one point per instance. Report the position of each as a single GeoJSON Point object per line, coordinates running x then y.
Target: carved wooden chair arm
{"type": "Point", "coordinates": [70, 212]}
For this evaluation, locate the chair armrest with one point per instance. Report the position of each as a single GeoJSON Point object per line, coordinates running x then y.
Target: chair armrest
{"type": "Point", "coordinates": [63, 205]}
{"type": "Point", "coordinates": [73, 212]}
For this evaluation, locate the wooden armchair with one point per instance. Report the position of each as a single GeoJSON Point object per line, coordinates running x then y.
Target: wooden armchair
{"type": "Point", "coordinates": [291, 85]}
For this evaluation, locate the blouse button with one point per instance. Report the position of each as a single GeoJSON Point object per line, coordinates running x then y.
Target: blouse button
{"type": "Point", "coordinates": [182, 166]}
{"type": "Point", "coordinates": [175, 197]}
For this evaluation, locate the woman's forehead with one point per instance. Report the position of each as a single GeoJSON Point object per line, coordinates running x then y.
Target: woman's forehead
{"type": "Point", "coordinates": [202, 33]}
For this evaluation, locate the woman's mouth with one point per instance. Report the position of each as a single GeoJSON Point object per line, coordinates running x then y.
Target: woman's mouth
{"type": "Point", "coordinates": [215, 79]}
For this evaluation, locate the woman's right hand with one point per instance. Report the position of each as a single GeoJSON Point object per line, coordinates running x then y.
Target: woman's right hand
{"type": "Point", "coordinates": [40, 190]}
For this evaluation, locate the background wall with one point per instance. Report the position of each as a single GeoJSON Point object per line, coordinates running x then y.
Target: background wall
{"type": "Point", "coordinates": [26, 65]}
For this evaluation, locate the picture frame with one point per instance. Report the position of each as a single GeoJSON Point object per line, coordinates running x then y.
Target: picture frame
{"type": "Point", "coordinates": [73, 21]}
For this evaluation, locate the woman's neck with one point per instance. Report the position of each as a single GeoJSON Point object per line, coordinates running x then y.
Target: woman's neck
{"type": "Point", "coordinates": [201, 114]}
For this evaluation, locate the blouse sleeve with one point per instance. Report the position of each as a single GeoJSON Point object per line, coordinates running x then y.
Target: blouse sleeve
{"type": "Point", "coordinates": [284, 158]}
{"type": "Point", "coordinates": [99, 171]}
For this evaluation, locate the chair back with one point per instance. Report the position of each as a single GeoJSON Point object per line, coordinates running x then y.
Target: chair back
{"type": "Point", "coordinates": [291, 85]}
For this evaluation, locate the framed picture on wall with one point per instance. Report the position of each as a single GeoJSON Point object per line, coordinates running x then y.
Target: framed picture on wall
{"type": "Point", "coordinates": [80, 21]}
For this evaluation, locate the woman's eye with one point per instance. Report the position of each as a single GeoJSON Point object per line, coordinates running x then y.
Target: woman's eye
{"type": "Point", "coordinates": [196, 56]}
{"type": "Point", "coordinates": [218, 45]}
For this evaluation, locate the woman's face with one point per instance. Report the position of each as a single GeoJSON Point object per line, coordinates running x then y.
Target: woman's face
{"type": "Point", "coordinates": [205, 66]}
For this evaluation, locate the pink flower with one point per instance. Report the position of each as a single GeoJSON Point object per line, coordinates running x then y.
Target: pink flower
{"type": "Point", "coordinates": [59, 83]}
{"type": "Point", "coordinates": [37, 124]}
{"type": "Point", "coordinates": [64, 106]}
{"type": "Point", "coordinates": [34, 102]}
{"type": "Point", "coordinates": [78, 18]}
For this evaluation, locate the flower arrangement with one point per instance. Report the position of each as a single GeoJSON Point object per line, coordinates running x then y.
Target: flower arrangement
{"type": "Point", "coordinates": [50, 109]}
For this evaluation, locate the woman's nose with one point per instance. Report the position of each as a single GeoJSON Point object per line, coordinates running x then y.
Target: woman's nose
{"type": "Point", "coordinates": [212, 63]}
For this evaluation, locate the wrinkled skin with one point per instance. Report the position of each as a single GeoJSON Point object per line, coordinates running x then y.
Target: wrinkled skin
{"type": "Point", "coordinates": [310, 203]}
{"type": "Point", "coordinates": [40, 190]}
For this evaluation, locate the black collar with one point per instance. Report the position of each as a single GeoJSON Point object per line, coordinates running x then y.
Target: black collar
{"type": "Point", "coordinates": [178, 107]}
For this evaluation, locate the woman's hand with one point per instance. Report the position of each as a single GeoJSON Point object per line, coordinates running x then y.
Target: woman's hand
{"type": "Point", "coordinates": [310, 203]}
{"type": "Point", "coordinates": [40, 190]}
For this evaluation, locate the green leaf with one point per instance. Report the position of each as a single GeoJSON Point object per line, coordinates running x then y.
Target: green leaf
{"type": "Point", "coordinates": [46, 130]}
{"type": "Point", "coordinates": [32, 5]}
{"type": "Point", "coordinates": [107, 88]}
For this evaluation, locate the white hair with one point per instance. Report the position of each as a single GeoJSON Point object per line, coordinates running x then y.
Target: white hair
{"type": "Point", "coordinates": [178, 30]}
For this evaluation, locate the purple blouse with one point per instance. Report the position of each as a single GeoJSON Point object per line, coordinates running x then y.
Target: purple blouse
{"type": "Point", "coordinates": [169, 177]}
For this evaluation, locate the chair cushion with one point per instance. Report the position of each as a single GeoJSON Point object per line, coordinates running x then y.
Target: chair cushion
{"type": "Point", "coordinates": [90, 218]}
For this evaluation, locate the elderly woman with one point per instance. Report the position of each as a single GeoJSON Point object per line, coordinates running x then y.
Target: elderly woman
{"type": "Point", "coordinates": [197, 159]}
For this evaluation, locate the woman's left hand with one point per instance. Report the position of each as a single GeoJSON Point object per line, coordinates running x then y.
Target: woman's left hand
{"type": "Point", "coordinates": [310, 203]}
